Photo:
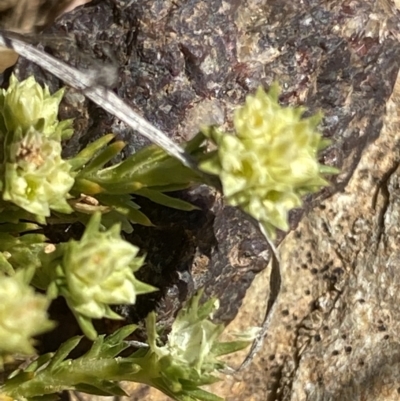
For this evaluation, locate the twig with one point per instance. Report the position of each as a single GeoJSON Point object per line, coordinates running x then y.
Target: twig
{"type": "Point", "coordinates": [137, 344]}
{"type": "Point", "coordinates": [275, 281]}
{"type": "Point", "coordinates": [274, 290]}
{"type": "Point", "coordinates": [105, 98]}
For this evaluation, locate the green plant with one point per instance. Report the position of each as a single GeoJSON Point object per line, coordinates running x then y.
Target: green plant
{"type": "Point", "coordinates": [271, 160]}
{"type": "Point", "coordinates": [176, 368]}
{"type": "Point", "coordinates": [264, 168]}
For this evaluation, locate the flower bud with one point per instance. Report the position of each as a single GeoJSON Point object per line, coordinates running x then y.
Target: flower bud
{"type": "Point", "coordinates": [270, 162]}
{"type": "Point", "coordinates": [98, 272]}
{"type": "Point", "coordinates": [26, 104]}
{"type": "Point", "coordinates": [193, 335]}
{"type": "Point", "coordinates": [190, 358]}
{"type": "Point", "coordinates": [22, 315]}
{"type": "Point", "coordinates": [36, 178]}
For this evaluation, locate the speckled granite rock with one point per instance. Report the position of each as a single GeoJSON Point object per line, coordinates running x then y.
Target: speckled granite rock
{"type": "Point", "coordinates": [335, 335]}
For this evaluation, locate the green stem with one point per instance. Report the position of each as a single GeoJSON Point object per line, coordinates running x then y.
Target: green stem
{"type": "Point", "coordinates": [97, 373]}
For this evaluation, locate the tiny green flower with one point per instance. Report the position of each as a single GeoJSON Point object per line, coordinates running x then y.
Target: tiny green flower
{"type": "Point", "coordinates": [98, 271]}
{"type": "Point", "coordinates": [22, 315]}
{"type": "Point", "coordinates": [190, 357]}
{"type": "Point", "coordinates": [271, 161]}
{"type": "Point", "coordinates": [26, 104]}
{"type": "Point", "coordinates": [36, 178]}
{"type": "Point", "coordinates": [192, 337]}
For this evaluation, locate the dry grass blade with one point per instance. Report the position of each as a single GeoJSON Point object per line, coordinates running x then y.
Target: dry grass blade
{"type": "Point", "coordinates": [105, 98]}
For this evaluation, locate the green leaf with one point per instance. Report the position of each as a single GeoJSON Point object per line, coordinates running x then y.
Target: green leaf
{"type": "Point", "coordinates": [114, 217]}
{"type": "Point", "coordinates": [64, 351]}
{"type": "Point", "coordinates": [194, 145]}
{"type": "Point", "coordinates": [124, 205]}
{"type": "Point", "coordinates": [96, 348]}
{"type": "Point", "coordinates": [39, 362]}
{"type": "Point", "coordinates": [87, 187]}
{"type": "Point", "coordinates": [7, 241]}
{"type": "Point", "coordinates": [120, 335]}
{"type": "Point", "coordinates": [116, 187]}
{"type": "Point", "coordinates": [19, 228]}
{"type": "Point", "coordinates": [104, 388]}
{"type": "Point", "coordinates": [104, 157]}
{"type": "Point", "coordinates": [5, 265]}
{"type": "Point", "coordinates": [86, 325]}
{"type": "Point", "coordinates": [220, 349]}
{"type": "Point", "coordinates": [32, 238]}
{"type": "Point", "coordinates": [144, 159]}
{"type": "Point", "coordinates": [202, 395]}
{"type": "Point", "coordinates": [166, 200]}
{"type": "Point", "coordinates": [19, 378]}
{"type": "Point", "coordinates": [169, 172]}
{"type": "Point", "coordinates": [47, 397]}
{"type": "Point", "coordinates": [84, 156]}
{"type": "Point", "coordinates": [170, 187]}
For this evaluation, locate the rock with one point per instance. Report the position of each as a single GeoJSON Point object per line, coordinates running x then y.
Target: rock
{"type": "Point", "coordinates": [335, 334]}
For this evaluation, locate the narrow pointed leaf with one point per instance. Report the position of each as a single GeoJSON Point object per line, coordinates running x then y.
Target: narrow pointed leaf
{"type": "Point", "coordinates": [45, 397]}
{"type": "Point", "coordinates": [142, 160]}
{"type": "Point", "coordinates": [87, 154]}
{"type": "Point", "coordinates": [5, 266]}
{"type": "Point", "coordinates": [170, 187]}
{"type": "Point", "coordinates": [96, 348]}
{"type": "Point", "coordinates": [42, 360]}
{"type": "Point", "coordinates": [102, 388]}
{"type": "Point", "coordinates": [64, 351]}
{"type": "Point", "coordinates": [202, 395]}
{"type": "Point", "coordinates": [86, 187]}
{"type": "Point", "coordinates": [228, 347]}
{"type": "Point", "coordinates": [32, 238]}
{"type": "Point", "coordinates": [119, 188]}
{"type": "Point", "coordinates": [195, 143]}
{"type": "Point", "coordinates": [19, 227]}
{"type": "Point", "coordinates": [127, 208]}
{"type": "Point", "coordinates": [120, 335]}
{"type": "Point", "coordinates": [103, 158]}
{"type": "Point", "coordinates": [166, 200]}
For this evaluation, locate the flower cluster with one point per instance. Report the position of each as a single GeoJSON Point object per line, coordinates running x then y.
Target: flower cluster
{"type": "Point", "coordinates": [27, 104]}
{"type": "Point", "coordinates": [271, 161]}
{"type": "Point", "coordinates": [96, 272]}
{"type": "Point", "coordinates": [23, 314]}
{"type": "Point", "coordinates": [36, 178]}
{"type": "Point", "coordinates": [190, 357]}
{"type": "Point", "coordinates": [33, 174]}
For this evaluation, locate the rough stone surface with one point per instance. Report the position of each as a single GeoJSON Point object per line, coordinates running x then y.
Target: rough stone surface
{"type": "Point", "coordinates": [335, 334]}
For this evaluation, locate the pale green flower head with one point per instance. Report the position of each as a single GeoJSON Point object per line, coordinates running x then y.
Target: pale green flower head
{"type": "Point", "coordinates": [98, 272]}
{"type": "Point", "coordinates": [36, 178]}
{"type": "Point", "coordinates": [26, 104]}
{"type": "Point", "coordinates": [23, 314]}
{"type": "Point", "coordinates": [286, 143]}
{"type": "Point", "coordinates": [271, 161]}
{"type": "Point", "coordinates": [190, 358]}
{"type": "Point", "coordinates": [193, 335]}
